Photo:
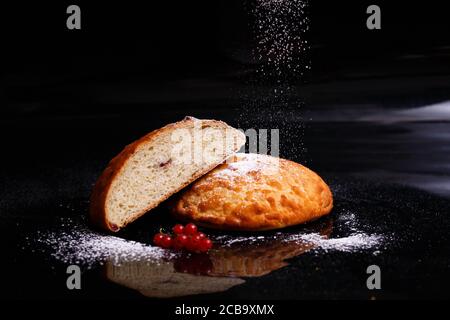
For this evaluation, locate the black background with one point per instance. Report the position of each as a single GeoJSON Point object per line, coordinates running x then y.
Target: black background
{"type": "Point", "coordinates": [71, 99]}
{"type": "Point", "coordinates": [47, 67]}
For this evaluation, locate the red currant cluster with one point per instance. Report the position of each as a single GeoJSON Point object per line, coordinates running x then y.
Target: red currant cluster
{"type": "Point", "coordinates": [185, 237]}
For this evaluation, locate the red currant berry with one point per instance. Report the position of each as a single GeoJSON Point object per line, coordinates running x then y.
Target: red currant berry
{"type": "Point", "coordinates": [194, 242]}
{"type": "Point", "coordinates": [180, 241]}
{"type": "Point", "coordinates": [209, 244]}
{"type": "Point", "coordinates": [205, 245]}
{"type": "Point", "coordinates": [190, 229]}
{"type": "Point", "coordinates": [178, 229]}
{"type": "Point", "coordinates": [166, 242]}
{"type": "Point", "coordinates": [201, 235]}
{"type": "Point", "coordinates": [157, 239]}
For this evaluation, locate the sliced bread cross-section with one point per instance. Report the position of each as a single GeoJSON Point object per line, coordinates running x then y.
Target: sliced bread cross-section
{"type": "Point", "coordinates": [151, 169]}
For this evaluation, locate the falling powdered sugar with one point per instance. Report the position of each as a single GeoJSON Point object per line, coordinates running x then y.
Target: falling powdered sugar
{"type": "Point", "coordinates": [281, 53]}
{"type": "Point", "coordinates": [280, 28]}
{"type": "Point", "coordinates": [82, 246]}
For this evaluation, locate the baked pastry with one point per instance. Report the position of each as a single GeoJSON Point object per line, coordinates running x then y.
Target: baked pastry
{"type": "Point", "coordinates": [255, 192]}
{"type": "Point", "coordinates": [161, 163]}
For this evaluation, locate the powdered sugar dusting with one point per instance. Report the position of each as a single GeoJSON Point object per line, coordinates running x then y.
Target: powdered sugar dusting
{"type": "Point", "coordinates": [71, 241]}
{"type": "Point", "coordinates": [354, 242]}
{"type": "Point", "coordinates": [349, 236]}
{"type": "Point", "coordinates": [247, 163]}
{"type": "Point", "coordinates": [82, 246]}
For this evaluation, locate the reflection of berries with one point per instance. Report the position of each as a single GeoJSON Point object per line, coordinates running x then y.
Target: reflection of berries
{"type": "Point", "coordinates": [199, 264]}
{"type": "Point", "coordinates": [186, 237]}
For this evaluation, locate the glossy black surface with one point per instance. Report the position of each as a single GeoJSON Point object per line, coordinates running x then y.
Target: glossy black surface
{"type": "Point", "coordinates": [371, 116]}
{"type": "Point", "coordinates": [54, 179]}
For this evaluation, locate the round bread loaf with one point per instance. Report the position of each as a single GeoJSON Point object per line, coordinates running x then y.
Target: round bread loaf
{"type": "Point", "coordinates": [254, 192]}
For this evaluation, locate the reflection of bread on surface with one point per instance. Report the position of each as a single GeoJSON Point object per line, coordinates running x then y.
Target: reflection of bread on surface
{"type": "Point", "coordinates": [258, 260]}
{"type": "Point", "coordinates": [255, 192]}
{"type": "Point", "coordinates": [160, 280]}
{"type": "Point", "coordinates": [223, 265]}
{"type": "Point", "coordinates": [158, 165]}
{"type": "Point", "coordinates": [254, 262]}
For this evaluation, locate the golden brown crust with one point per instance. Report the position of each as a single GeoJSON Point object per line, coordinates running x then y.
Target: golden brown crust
{"type": "Point", "coordinates": [98, 214]}
{"type": "Point", "coordinates": [255, 192]}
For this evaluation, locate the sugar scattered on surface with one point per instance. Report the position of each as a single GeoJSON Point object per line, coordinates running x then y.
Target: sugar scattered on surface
{"type": "Point", "coordinates": [354, 242]}
{"type": "Point", "coordinates": [75, 243]}
{"type": "Point", "coordinates": [351, 237]}
{"type": "Point", "coordinates": [349, 220]}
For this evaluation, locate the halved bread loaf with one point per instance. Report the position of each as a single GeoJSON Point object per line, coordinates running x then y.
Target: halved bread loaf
{"type": "Point", "coordinates": [161, 163]}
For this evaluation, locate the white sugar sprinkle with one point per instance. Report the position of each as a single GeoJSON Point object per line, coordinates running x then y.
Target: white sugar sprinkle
{"type": "Point", "coordinates": [354, 242]}
{"type": "Point", "coordinates": [88, 248]}
{"type": "Point", "coordinates": [354, 239]}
